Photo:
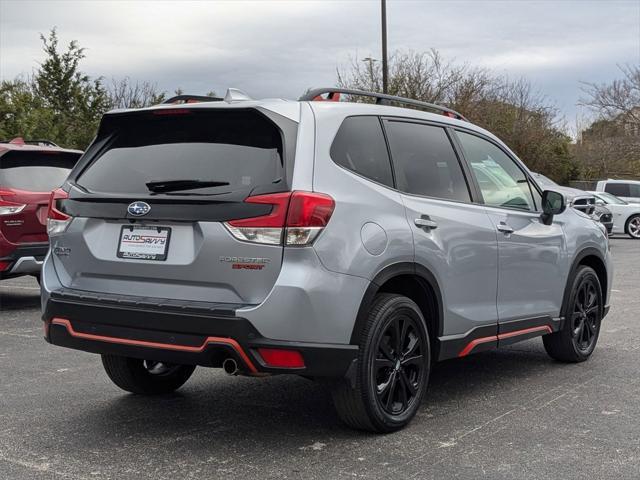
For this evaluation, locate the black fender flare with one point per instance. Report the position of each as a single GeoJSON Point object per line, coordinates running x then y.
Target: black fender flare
{"type": "Point", "coordinates": [387, 273]}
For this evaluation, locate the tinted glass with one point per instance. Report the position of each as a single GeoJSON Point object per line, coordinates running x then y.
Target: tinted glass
{"type": "Point", "coordinates": [634, 190]}
{"type": "Point", "coordinates": [241, 150]}
{"type": "Point", "coordinates": [359, 146]}
{"type": "Point", "coordinates": [35, 171]}
{"type": "Point", "coordinates": [502, 182]}
{"type": "Point", "coordinates": [618, 189]}
{"type": "Point", "coordinates": [425, 162]}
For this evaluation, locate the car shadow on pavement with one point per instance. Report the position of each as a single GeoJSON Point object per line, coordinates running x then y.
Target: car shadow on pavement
{"type": "Point", "coordinates": [211, 412]}
{"type": "Point", "coordinates": [27, 298]}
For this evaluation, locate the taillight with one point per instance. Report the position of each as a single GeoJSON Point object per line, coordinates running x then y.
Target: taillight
{"type": "Point", "coordinates": [57, 222]}
{"type": "Point", "coordinates": [308, 214]}
{"type": "Point", "coordinates": [9, 208]}
{"type": "Point", "coordinates": [296, 218]}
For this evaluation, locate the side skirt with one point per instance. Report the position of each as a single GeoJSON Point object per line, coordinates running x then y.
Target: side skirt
{"type": "Point", "coordinates": [489, 337]}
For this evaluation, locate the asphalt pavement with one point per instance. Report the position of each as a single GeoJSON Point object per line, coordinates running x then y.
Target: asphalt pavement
{"type": "Point", "coordinates": [511, 413]}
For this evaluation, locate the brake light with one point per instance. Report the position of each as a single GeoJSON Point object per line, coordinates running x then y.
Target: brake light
{"type": "Point", "coordinates": [57, 222]}
{"type": "Point", "coordinates": [295, 217]}
{"type": "Point", "coordinates": [280, 358]}
{"type": "Point", "coordinates": [172, 111]}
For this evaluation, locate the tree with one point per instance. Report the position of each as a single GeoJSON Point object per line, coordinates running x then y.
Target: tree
{"type": "Point", "coordinates": [511, 109]}
{"type": "Point", "coordinates": [58, 102]}
{"type": "Point", "coordinates": [620, 97]}
{"type": "Point", "coordinates": [610, 146]}
{"type": "Point", "coordinates": [125, 93]}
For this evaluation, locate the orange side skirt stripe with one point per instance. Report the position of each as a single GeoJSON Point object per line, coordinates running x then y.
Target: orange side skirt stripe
{"type": "Point", "coordinates": [494, 338]}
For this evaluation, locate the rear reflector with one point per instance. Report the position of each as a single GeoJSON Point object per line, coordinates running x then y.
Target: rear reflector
{"type": "Point", "coordinates": [4, 266]}
{"type": "Point", "coordinates": [299, 217]}
{"type": "Point", "coordinates": [57, 222]}
{"type": "Point", "coordinates": [280, 358]}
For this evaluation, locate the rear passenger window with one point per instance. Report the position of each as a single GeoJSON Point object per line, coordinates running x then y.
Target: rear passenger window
{"type": "Point", "coordinates": [425, 162]}
{"type": "Point", "coordinates": [359, 146]}
{"type": "Point", "coordinates": [618, 189]}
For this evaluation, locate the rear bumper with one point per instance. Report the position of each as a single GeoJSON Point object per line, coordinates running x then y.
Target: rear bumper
{"type": "Point", "coordinates": [25, 260]}
{"type": "Point", "coordinates": [184, 333]}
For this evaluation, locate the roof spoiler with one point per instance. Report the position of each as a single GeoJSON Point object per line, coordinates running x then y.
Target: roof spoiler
{"type": "Point", "coordinates": [333, 94]}
{"type": "Point", "coordinates": [180, 99]}
{"type": "Point", "coordinates": [232, 95]}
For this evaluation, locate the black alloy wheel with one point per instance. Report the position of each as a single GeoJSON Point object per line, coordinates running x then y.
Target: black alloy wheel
{"type": "Point", "coordinates": [398, 365]}
{"type": "Point", "coordinates": [389, 379]}
{"type": "Point", "coordinates": [577, 339]}
{"type": "Point", "coordinates": [585, 320]}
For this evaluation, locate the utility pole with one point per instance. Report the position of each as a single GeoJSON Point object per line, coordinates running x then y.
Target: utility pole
{"type": "Point", "coordinates": [385, 70]}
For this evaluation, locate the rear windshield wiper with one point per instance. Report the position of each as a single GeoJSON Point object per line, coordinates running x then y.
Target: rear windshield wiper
{"type": "Point", "coordinates": [162, 186]}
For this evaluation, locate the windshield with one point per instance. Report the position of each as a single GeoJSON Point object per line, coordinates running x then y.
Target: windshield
{"type": "Point", "coordinates": [196, 153]}
{"type": "Point", "coordinates": [611, 199]}
{"type": "Point", "coordinates": [35, 171]}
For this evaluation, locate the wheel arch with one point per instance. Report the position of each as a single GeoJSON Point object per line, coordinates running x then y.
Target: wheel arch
{"type": "Point", "coordinates": [591, 257]}
{"type": "Point", "coordinates": [414, 281]}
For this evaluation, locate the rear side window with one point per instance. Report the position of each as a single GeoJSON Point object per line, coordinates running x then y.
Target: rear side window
{"type": "Point", "coordinates": [618, 189]}
{"type": "Point", "coordinates": [225, 151]}
{"type": "Point", "coordinates": [35, 171]}
{"type": "Point", "coordinates": [425, 162]}
{"type": "Point", "coordinates": [359, 146]}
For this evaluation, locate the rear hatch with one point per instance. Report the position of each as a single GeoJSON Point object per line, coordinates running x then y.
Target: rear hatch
{"type": "Point", "coordinates": [26, 180]}
{"type": "Point", "coordinates": [152, 196]}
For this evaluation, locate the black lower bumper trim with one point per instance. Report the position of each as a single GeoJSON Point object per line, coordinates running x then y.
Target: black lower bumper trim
{"type": "Point", "coordinates": [187, 337]}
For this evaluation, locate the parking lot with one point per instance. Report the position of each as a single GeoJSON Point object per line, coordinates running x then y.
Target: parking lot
{"type": "Point", "coordinates": [511, 413]}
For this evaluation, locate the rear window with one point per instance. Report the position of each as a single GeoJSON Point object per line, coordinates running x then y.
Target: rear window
{"type": "Point", "coordinates": [35, 171]}
{"type": "Point", "coordinates": [618, 189]}
{"type": "Point", "coordinates": [237, 150]}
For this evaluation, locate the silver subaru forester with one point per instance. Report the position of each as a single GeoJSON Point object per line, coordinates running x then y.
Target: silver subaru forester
{"type": "Point", "coordinates": [355, 242]}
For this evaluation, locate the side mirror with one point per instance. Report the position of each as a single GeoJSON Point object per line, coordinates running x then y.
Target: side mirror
{"type": "Point", "coordinates": [553, 203]}
{"type": "Point", "coordinates": [599, 202]}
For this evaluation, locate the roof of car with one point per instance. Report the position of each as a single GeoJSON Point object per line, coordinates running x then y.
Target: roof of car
{"type": "Point", "coordinates": [18, 144]}
{"type": "Point", "coordinates": [291, 109]}
{"type": "Point", "coordinates": [619, 180]}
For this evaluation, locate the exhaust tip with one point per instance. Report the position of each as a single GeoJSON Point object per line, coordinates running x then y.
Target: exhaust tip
{"type": "Point", "coordinates": [230, 366]}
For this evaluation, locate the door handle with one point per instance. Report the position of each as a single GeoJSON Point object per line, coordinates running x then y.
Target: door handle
{"type": "Point", "coordinates": [504, 228]}
{"type": "Point", "coordinates": [425, 223]}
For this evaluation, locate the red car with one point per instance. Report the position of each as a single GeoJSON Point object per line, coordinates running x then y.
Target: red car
{"type": "Point", "coordinates": [29, 171]}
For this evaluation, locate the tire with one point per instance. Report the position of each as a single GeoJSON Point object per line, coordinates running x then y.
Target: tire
{"type": "Point", "coordinates": [145, 377]}
{"type": "Point", "coordinates": [632, 228]}
{"type": "Point", "coordinates": [583, 315]}
{"type": "Point", "coordinates": [390, 382]}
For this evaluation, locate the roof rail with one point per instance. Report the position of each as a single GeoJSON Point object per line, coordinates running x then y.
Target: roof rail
{"type": "Point", "coordinates": [381, 99]}
{"type": "Point", "coordinates": [178, 99]}
{"type": "Point", "coordinates": [22, 141]}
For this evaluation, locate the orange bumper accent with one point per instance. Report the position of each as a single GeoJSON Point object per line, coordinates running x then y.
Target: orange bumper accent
{"type": "Point", "coordinates": [166, 346]}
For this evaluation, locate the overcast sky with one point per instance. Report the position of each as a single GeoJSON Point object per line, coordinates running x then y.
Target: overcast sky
{"type": "Point", "coordinates": [280, 48]}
